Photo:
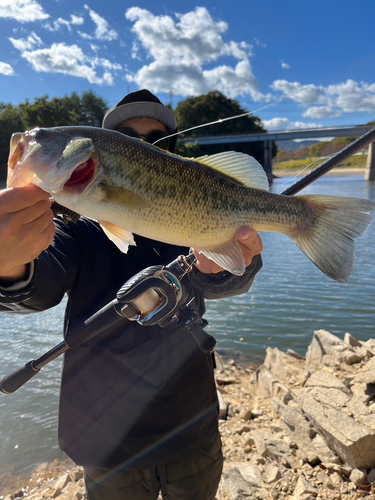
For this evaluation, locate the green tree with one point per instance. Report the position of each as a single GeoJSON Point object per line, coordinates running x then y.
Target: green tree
{"type": "Point", "coordinates": [45, 113]}
{"type": "Point", "coordinates": [89, 109]}
{"type": "Point", "coordinates": [210, 108]}
{"type": "Point", "coordinates": [325, 148]}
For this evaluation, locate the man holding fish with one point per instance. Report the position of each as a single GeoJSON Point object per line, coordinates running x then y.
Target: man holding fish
{"type": "Point", "coordinates": [138, 405]}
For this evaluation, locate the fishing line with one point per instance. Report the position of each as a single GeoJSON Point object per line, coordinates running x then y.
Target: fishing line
{"type": "Point", "coordinates": [303, 170]}
{"type": "Point", "coordinates": [247, 113]}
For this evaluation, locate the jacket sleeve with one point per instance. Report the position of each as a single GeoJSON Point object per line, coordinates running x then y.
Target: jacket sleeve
{"type": "Point", "coordinates": [225, 284]}
{"type": "Point", "coordinates": [53, 274]}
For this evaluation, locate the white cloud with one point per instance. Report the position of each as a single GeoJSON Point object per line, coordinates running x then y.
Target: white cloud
{"type": "Point", "coordinates": [352, 96]}
{"type": "Point", "coordinates": [286, 124]}
{"type": "Point", "coordinates": [76, 19]}
{"type": "Point", "coordinates": [260, 43]}
{"type": "Point", "coordinates": [6, 69]}
{"type": "Point", "coordinates": [57, 23]}
{"type": "Point", "coordinates": [347, 97]}
{"type": "Point", "coordinates": [105, 63]}
{"type": "Point", "coordinates": [85, 36]}
{"type": "Point", "coordinates": [181, 48]}
{"type": "Point", "coordinates": [102, 32]}
{"type": "Point", "coordinates": [70, 60]}
{"type": "Point", "coordinates": [23, 11]}
{"type": "Point", "coordinates": [285, 65]}
{"type": "Point", "coordinates": [23, 44]}
{"type": "Point", "coordinates": [318, 112]}
{"type": "Point", "coordinates": [304, 94]}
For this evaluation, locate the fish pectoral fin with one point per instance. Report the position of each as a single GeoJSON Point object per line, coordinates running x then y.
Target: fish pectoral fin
{"type": "Point", "coordinates": [124, 197]}
{"type": "Point", "coordinates": [240, 166]}
{"type": "Point", "coordinates": [228, 256]}
{"type": "Point", "coordinates": [120, 237]}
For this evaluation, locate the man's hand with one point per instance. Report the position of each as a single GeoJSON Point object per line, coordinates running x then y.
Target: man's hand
{"type": "Point", "coordinates": [26, 229]}
{"type": "Point", "coordinates": [251, 245]}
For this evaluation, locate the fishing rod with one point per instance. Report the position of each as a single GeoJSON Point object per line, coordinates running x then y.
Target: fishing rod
{"type": "Point", "coordinates": [332, 162]}
{"type": "Point", "coordinates": [151, 297]}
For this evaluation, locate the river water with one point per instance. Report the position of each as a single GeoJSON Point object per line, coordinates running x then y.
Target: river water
{"type": "Point", "coordinates": [289, 299]}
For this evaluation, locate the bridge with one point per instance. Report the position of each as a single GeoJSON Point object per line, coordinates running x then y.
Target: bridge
{"type": "Point", "coordinates": [288, 135]}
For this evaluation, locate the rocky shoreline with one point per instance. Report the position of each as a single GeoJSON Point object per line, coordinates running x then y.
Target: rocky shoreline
{"type": "Point", "coordinates": [297, 428]}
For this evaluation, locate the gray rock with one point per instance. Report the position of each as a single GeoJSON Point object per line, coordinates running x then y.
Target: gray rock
{"type": "Point", "coordinates": [369, 345]}
{"type": "Point", "coordinates": [371, 476]}
{"type": "Point", "coordinates": [73, 491]}
{"type": "Point", "coordinates": [326, 379]}
{"type": "Point", "coordinates": [303, 489]}
{"type": "Point", "coordinates": [365, 392]}
{"type": "Point", "coordinates": [282, 366]}
{"type": "Point", "coordinates": [223, 406]}
{"type": "Point", "coordinates": [295, 354]}
{"type": "Point", "coordinates": [350, 340]}
{"type": "Point", "coordinates": [279, 451]}
{"type": "Point", "coordinates": [358, 477]}
{"type": "Point", "coordinates": [259, 439]}
{"type": "Point", "coordinates": [353, 442]}
{"type": "Point", "coordinates": [367, 374]}
{"type": "Point", "coordinates": [301, 432]}
{"type": "Point", "coordinates": [324, 453]}
{"type": "Point", "coordinates": [272, 473]}
{"type": "Point", "coordinates": [76, 474]}
{"type": "Point", "coordinates": [268, 385]}
{"type": "Point", "coordinates": [236, 487]}
{"type": "Point", "coordinates": [60, 483]}
{"type": "Point", "coordinates": [327, 349]}
{"type": "Point", "coordinates": [361, 413]}
{"type": "Point", "coordinates": [250, 473]}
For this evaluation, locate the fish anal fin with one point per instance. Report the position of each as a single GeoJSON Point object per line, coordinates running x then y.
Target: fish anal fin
{"type": "Point", "coordinates": [228, 256]}
{"type": "Point", "coordinates": [124, 197]}
{"type": "Point", "coordinates": [119, 236]}
{"type": "Point", "coordinates": [241, 167]}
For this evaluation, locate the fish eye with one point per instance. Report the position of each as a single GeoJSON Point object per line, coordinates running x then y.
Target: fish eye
{"type": "Point", "coordinates": [39, 134]}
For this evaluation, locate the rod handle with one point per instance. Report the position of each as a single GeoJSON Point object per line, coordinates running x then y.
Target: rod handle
{"type": "Point", "coordinates": [10, 383]}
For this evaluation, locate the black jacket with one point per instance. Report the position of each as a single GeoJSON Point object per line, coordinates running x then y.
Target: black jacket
{"type": "Point", "coordinates": [132, 396]}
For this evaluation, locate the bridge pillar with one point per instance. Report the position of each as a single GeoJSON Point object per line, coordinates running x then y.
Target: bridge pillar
{"type": "Point", "coordinates": [267, 160]}
{"type": "Point", "coordinates": [370, 165]}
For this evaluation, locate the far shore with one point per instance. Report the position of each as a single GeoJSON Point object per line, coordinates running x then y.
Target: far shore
{"type": "Point", "coordinates": [334, 171]}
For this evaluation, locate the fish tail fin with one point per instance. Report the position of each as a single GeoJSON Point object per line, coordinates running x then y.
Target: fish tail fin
{"type": "Point", "coordinates": [334, 225]}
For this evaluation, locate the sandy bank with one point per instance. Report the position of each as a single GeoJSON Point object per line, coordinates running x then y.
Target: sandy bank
{"type": "Point", "coordinates": [334, 171]}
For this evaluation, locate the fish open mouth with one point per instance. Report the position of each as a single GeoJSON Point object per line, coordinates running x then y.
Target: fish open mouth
{"type": "Point", "coordinates": [81, 177]}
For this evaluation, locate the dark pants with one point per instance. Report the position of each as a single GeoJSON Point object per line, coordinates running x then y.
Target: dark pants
{"type": "Point", "coordinates": [195, 477]}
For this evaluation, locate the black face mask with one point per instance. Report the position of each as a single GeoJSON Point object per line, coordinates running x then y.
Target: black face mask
{"type": "Point", "coordinates": [151, 137]}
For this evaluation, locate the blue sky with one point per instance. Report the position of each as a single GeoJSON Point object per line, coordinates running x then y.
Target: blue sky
{"type": "Point", "coordinates": [296, 63]}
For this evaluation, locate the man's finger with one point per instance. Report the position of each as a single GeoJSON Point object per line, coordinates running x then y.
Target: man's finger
{"type": "Point", "coordinates": [15, 199]}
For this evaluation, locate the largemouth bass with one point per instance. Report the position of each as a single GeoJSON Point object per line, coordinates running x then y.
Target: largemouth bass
{"type": "Point", "coordinates": [129, 186]}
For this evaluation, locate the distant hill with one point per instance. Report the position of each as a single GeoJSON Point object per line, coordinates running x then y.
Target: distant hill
{"type": "Point", "coordinates": [290, 146]}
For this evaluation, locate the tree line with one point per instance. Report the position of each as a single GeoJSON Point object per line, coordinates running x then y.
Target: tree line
{"type": "Point", "coordinates": [85, 109]}
{"type": "Point", "coordinates": [88, 109]}
{"type": "Point", "coordinates": [318, 150]}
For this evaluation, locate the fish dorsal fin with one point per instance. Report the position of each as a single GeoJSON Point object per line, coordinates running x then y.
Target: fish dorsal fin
{"type": "Point", "coordinates": [242, 167]}
{"type": "Point", "coordinates": [228, 256]}
{"type": "Point", "coordinates": [120, 237]}
{"type": "Point", "coordinates": [124, 197]}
